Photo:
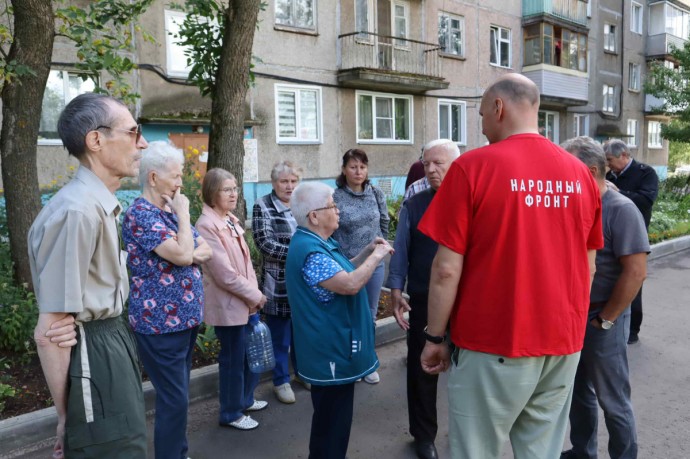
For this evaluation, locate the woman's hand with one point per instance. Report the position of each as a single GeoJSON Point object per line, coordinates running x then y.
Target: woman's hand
{"type": "Point", "coordinates": [382, 248]}
{"type": "Point", "coordinates": [203, 251]}
{"type": "Point", "coordinates": [179, 203]}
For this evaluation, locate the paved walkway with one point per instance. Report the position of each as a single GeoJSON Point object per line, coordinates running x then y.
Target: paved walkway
{"type": "Point", "coordinates": [660, 377]}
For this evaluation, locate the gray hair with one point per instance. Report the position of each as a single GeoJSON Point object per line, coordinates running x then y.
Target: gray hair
{"type": "Point", "coordinates": [285, 167]}
{"type": "Point", "coordinates": [616, 148]}
{"type": "Point", "coordinates": [157, 157]}
{"type": "Point", "coordinates": [84, 114]}
{"type": "Point", "coordinates": [448, 145]}
{"type": "Point", "coordinates": [307, 197]}
{"type": "Point", "coordinates": [588, 151]}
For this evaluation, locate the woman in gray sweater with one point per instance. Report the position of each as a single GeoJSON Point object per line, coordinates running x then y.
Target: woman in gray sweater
{"type": "Point", "coordinates": [363, 217]}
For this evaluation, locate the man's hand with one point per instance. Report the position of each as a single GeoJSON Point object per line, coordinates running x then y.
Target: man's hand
{"type": "Point", "coordinates": [63, 332]}
{"type": "Point", "coordinates": [435, 358]}
{"type": "Point", "coordinates": [400, 307]}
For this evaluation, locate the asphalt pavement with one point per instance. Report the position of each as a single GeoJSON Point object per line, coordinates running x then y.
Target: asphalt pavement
{"type": "Point", "coordinates": [660, 380]}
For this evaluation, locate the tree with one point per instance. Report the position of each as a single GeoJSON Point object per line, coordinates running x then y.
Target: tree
{"type": "Point", "coordinates": [220, 37]}
{"type": "Point", "coordinates": [678, 155]}
{"type": "Point", "coordinates": [670, 85]}
{"type": "Point", "coordinates": [99, 33]}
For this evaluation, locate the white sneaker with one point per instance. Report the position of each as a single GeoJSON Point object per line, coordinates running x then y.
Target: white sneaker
{"type": "Point", "coordinates": [243, 423]}
{"type": "Point", "coordinates": [284, 393]}
{"type": "Point", "coordinates": [372, 378]}
{"type": "Point", "coordinates": [304, 384]}
{"type": "Point", "coordinates": [258, 405]}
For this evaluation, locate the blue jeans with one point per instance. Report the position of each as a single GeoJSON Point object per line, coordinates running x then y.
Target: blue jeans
{"type": "Point", "coordinates": [236, 383]}
{"type": "Point", "coordinates": [373, 288]}
{"type": "Point", "coordinates": [283, 347]}
{"type": "Point", "coordinates": [603, 377]}
{"type": "Point", "coordinates": [167, 359]}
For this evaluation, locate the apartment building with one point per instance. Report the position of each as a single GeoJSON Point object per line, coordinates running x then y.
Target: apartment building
{"type": "Point", "coordinates": [387, 76]}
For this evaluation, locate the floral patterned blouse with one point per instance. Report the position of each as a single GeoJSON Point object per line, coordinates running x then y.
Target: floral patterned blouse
{"type": "Point", "coordinates": [163, 297]}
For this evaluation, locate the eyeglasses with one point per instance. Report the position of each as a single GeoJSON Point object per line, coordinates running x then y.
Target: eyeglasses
{"type": "Point", "coordinates": [233, 190]}
{"type": "Point", "coordinates": [136, 131]}
{"type": "Point", "coordinates": [332, 206]}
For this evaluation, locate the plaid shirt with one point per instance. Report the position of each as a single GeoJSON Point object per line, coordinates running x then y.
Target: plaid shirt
{"type": "Point", "coordinates": [273, 226]}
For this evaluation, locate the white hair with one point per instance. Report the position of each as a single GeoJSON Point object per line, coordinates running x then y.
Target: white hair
{"type": "Point", "coordinates": [448, 145]}
{"type": "Point", "coordinates": [157, 157]}
{"type": "Point", "coordinates": [307, 197]}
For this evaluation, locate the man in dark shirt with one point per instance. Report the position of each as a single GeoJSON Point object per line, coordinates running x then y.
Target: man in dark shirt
{"type": "Point", "coordinates": [640, 183]}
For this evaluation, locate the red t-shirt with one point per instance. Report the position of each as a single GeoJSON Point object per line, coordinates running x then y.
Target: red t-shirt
{"type": "Point", "coordinates": [523, 212]}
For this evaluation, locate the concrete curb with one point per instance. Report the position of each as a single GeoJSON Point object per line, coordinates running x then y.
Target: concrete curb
{"type": "Point", "coordinates": [32, 431]}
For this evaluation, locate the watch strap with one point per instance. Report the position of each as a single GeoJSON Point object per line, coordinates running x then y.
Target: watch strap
{"type": "Point", "coordinates": [432, 338]}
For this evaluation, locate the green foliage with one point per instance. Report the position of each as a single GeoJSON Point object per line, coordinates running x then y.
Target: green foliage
{"type": "Point", "coordinates": [6, 391]}
{"type": "Point", "coordinates": [671, 215]}
{"type": "Point", "coordinates": [254, 252]}
{"type": "Point", "coordinates": [191, 183]}
{"type": "Point", "coordinates": [9, 70]}
{"type": "Point", "coordinates": [207, 344]}
{"type": "Point", "coordinates": [394, 204]}
{"type": "Point", "coordinates": [678, 154]}
{"type": "Point", "coordinates": [103, 36]}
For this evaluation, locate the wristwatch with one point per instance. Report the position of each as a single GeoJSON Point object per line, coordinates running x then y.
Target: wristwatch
{"type": "Point", "coordinates": [605, 324]}
{"type": "Point", "coordinates": [432, 338]}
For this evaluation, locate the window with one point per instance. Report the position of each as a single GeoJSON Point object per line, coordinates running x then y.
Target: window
{"type": "Point", "coordinates": [634, 77]}
{"type": "Point", "coordinates": [554, 45]}
{"type": "Point", "coordinates": [298, 114]}
{"type": "Point", "coordinates": [632, 133]}
{"type": "Point", "coordinates": [548, 125]}
{"type": "Point", "coordinates": [500, 46]}
{"type": "Point", "coordinates": [608, 103]}
{"type": "Point", "coordinates": [452, 120]}
{"type": "Point", "coordinates": [451, 29]}
{"type": "Point", "coordinates": [176, 60]}
{"type": "Point", "coordinates": [384, 118]}
{"type": "Point", "coordinates": [636, 18]}
{"type": "Point", "coordinates": [610, 37]}
{"type": "Point", "coordinates": [364, 17]}
{"type": "Point", "coordinates": [61, 88]}
{"type": "Point", "coordinates": [295, 13]}
{"type": "Point", "coordinates": [581, 124]}
{"type": "Point", "coordinates": [654, 135]}
{"type": "Point", "coordinates": [401, 22]}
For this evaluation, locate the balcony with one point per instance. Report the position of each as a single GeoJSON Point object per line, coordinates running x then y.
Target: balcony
{"type": "Point", "coordinates": [573, 11]}
{"type": "Point", "coordinates": [559, 86]}
{"type": "Point", "coordinates": [660, 45]}
{"type": "Point", "coordinates": [385, 63]}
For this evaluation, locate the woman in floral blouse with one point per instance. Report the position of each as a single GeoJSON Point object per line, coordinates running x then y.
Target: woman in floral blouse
{"type": "Point", "coordinates": [166, 293]}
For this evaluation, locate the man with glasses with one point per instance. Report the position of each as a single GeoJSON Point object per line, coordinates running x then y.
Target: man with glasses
{"type": "Point", "coordinates": [412, 259]}
{"type": "Point", "coordinates": [79, 270]}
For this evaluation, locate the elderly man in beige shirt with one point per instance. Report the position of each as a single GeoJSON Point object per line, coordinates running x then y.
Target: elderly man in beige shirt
{"type": "Point", "coordinates": [79, 271]}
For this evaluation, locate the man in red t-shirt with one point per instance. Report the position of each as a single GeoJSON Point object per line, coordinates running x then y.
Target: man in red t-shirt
{"type": "Point", "coordinates": [518, 223]}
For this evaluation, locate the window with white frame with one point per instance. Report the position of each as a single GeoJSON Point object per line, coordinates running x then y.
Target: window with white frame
{"type": "Point", "coordinates": [608, 100]}
{"type": "Point", "coordinates": [452, 120]}
{"type": "Point", "coordinates": [176, 59]}
{"type": "Point", "coordinates": [548, 125]}
{"type": "Point", "coordinates": [500, 46]}
{"type": "Point", "coordinates": [610, 37]}
{"type": "Point", "coordinates": [364, 17]}
{"type": "Point", "coordinates": [632, 133]}
{"type": "Point", "coordinates": [298, 114]}
{"type": "Point", "coordinates": [654, 135]}
{"type": "Point", "coordinates": [61, 88]}
{"type": "Point", "coordinates": [634, 76]}
{"type": "Point", "coordinates": [636, 17]}
{"type": "Point", "coordinates": [296, 13]}
{"type": "Point", "coordinates": [451, 33]}
{"type": "Point", "coordinates": [580, 124]}
{"type": "Point", "coordinates": [401, 21]}
{"type": "Point", "coordinates": [384, 118]}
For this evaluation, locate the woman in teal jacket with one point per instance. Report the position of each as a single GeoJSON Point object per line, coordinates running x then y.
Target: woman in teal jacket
{"type": "Point", "coordinates": [333, 331]}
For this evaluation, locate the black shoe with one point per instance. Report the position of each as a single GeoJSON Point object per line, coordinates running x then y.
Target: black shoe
{"type": "Point", "coordinates": [425, 449]}
{"type": "Point", "coordinates": [570, 454]}
{"type": "Point", "coordinates": [633, 338]}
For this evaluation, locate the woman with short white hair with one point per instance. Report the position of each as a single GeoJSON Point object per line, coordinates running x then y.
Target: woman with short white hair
{"type": "Point", "coordinates": [333, 331]}
{"type": "Point", "coordinates": [166, 295]}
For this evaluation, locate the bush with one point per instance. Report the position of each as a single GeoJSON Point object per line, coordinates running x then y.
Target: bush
{"type": "Point", "coordinates": [394, 204]}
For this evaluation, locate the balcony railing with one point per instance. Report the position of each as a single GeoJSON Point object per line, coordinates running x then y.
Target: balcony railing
{"type": "Point", "coordinates": [568, 10]}
{"type": "Point", "coordinates": [366, 50]}
{"type": "Point", "coordinates": [662, 44]}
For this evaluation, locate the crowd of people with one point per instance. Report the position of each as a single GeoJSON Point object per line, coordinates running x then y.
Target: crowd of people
{"type": "Point", "coordinates": [496, 249]}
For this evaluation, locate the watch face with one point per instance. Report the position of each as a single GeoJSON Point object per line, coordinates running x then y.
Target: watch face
{"type": "Point", "coordinates": [606, 324]}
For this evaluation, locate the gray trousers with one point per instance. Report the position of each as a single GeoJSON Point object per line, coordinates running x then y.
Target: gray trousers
{"type": "Point", "coordinates": [603, 380]}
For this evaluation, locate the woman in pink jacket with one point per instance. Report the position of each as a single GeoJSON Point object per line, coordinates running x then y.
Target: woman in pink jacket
{"type": "Point", "coordinates": [232, 295]}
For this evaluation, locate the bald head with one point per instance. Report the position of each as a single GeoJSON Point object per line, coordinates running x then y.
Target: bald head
{"type": "Point", "coordinates": [510, 106]}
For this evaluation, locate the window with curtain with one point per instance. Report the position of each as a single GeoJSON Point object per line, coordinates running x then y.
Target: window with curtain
{"type": "Point", "coordinates": [298, 114]}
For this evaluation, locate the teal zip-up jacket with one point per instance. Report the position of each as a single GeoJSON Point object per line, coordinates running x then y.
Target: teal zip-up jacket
{"type": "Point", "coordinates": [334, 342]}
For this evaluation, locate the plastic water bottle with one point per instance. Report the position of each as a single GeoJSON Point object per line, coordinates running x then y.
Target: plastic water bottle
{"type": "Point", "coordinates": [259, 346]}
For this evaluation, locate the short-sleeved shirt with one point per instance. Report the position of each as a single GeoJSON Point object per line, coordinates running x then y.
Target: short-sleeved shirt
{"type": "Point", "coordinates": [523, 212]}
{"type": "Point", "coordinates": [318, 268]}
{"type": "Point", "coordinates": [74, 251]}
{"type": "Point", "coordinates": [164, 297]}
{"type": "Point", "coordinates": [624, 234]}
